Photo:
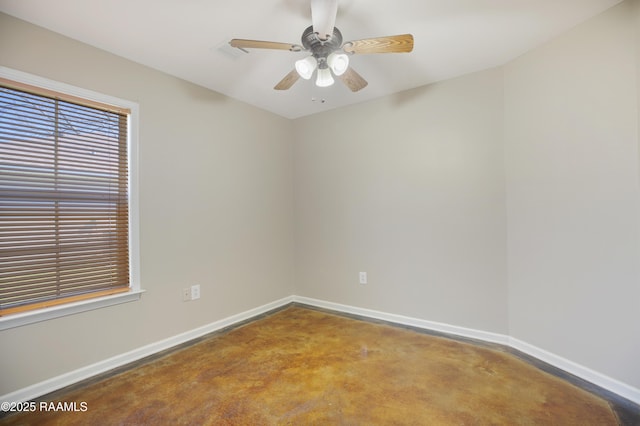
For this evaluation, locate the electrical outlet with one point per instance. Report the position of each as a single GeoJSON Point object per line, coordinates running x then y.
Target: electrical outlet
{"type": "Point", "coordinates": [195, 292]}
{"type": "Point", "coordinates": [363, 277]}
{"type": "Point", "coordinates": [186, 294]}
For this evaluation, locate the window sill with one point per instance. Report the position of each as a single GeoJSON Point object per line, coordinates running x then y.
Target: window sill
{"type": "Point", "coordinates": [17, 320]}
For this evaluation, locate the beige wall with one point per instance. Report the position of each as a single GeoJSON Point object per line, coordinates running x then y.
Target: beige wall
{"type": "Point", "coordinates": [410, 189]}
{"type": "Point", "coordinates": [636, 14]}
{"type": "Point", "coordinates": [504, 201]}
{"type": "Point", "coordinates": [215, 209]}
{"type": "Point", "coordinates": [571, 144]}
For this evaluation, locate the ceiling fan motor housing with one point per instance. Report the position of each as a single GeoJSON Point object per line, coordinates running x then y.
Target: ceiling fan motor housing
{"type": "Point", "coordinates": [320, 49]}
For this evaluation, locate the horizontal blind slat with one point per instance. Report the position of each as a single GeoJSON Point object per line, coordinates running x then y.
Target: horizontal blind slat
{"type": "Point", "coordinates": [51, 267]}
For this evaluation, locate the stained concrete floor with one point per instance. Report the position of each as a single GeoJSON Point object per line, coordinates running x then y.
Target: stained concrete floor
{"type": "Point", "coordinates": [304, 366]}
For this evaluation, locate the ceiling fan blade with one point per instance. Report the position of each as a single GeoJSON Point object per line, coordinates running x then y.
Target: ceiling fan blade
{"type": "Point", "coordinates": [389, 44]}
{"type": "Point", "coordinates": [259, 44]}
{"type": "Point", "coordinates": [323, 17]}
{"type": "Point", "coordinates": [288, 81]}
{"type": "Point", "coordinates": [353, 80]}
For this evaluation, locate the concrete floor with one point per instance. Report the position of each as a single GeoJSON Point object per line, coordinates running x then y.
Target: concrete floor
{"type": "Point", "coordinates": [305, 366]}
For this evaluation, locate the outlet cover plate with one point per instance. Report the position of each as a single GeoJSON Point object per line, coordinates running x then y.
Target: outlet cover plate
{"type": "Point", "coordinates": [186, 294]}
{"type": "Point", "coordinates": [195, 292]}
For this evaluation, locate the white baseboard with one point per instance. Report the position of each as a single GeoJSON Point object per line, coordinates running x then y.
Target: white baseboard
{"type": "Point", "coordinates": [67, 379]}
{"type": "Point", "coordinates": [619, 388]}
{"type": "Point", "coordinates": [59, 382]}
{"type": "Point", "coordinates": [622, 389]}
{"type": "Point", "coordinates": [413, 322]}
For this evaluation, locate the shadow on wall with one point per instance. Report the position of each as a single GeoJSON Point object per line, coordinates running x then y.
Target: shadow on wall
{"type": "Point", "coordinates": [201, 93]}
{"type": "Point", "coordinates": [412, 95]}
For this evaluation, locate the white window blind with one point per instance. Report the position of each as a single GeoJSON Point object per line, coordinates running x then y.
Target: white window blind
{"type": "Point", "coordinates": [64, 212]}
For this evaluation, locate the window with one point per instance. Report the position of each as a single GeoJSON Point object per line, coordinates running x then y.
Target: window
{"type": "Point", "coordinates": [64, 198]}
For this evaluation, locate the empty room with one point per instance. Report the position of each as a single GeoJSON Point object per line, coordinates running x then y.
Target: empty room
{"type": "Point", "coordinates": [320, 212]}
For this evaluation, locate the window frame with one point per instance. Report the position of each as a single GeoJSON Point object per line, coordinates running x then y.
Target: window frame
{"type": "Point", "coordinates": [135, 290]}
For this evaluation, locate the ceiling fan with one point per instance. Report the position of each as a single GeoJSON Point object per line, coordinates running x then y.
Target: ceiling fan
{"type": "Point", "coordinates": [329, 55]}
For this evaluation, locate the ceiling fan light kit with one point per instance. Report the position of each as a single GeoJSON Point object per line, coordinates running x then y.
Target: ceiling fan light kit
{"type": "Point", "coordinates": [306, 66]}
{"type": "Point", "coordinates": [335, 62]}
{"type": "Point", "coordinates": [324, 79]}
{"type": "Point", "coordinates": [328, 54]}
{"type": "Point", "coordinates": [338, 62]}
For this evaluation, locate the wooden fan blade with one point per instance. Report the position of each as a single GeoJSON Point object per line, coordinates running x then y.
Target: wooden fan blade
{"type": "Point", "coordinates": [259, 44]}
{"type": "Point", "coordinates": [353, 80]}
{"type": "Point", "coordinates": [389, 44]}
{"type": "Point", "coordinates": [288, 81]}
{"type": "Point", "coordinates": [323, 17]}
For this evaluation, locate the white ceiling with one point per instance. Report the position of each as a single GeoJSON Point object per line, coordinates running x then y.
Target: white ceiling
{"type": "Point", "coordinates": [189, 39]}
